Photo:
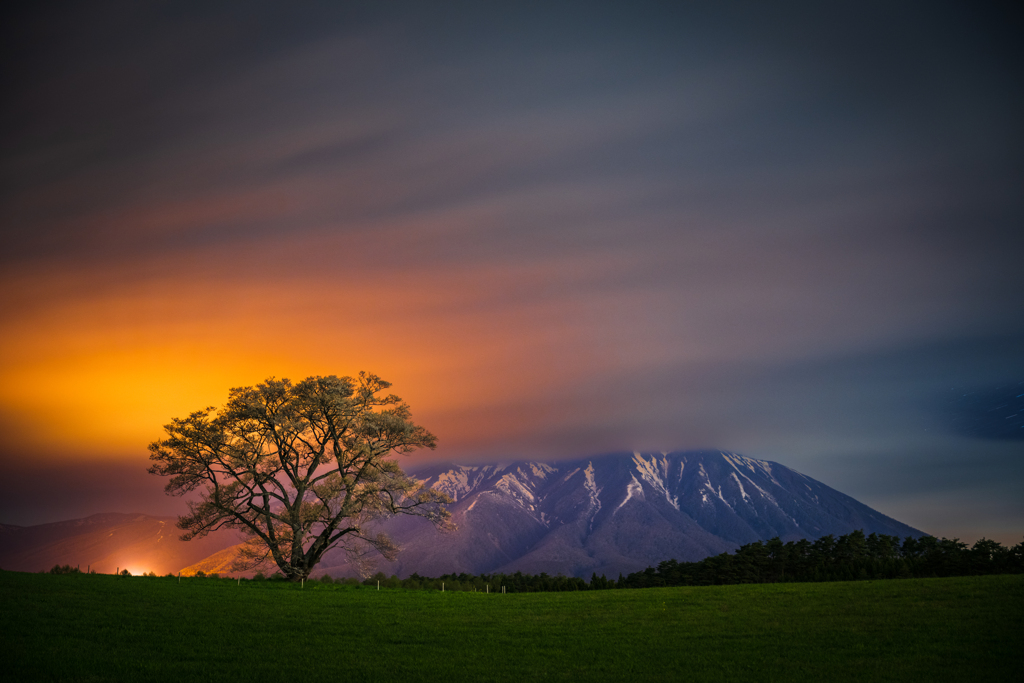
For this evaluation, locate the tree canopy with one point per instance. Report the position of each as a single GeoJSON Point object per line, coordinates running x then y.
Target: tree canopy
{"type": "Point", "coordinates": [299, 469]}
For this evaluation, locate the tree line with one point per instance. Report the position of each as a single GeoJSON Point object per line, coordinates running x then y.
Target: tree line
{"type": "Point", "coordinates": [852, 557]}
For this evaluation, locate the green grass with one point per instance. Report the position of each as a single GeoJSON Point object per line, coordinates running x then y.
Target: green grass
{"type": "Point", "coordinates": [102, 628]}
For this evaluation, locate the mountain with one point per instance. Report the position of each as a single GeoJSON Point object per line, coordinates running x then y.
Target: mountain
{"type": "Point", "coordinates": [604, 515]}
{"type": "Point", "coordinates": [616, 513]}
{"type": "Point", "coordinates": [106, 543]}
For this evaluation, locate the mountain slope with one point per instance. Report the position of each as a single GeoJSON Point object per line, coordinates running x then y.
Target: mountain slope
{"type": "Point", "coordinates": [106, 543]}
{"type": "Point", "coordinates": [617, 513]}
{"type": "Point", "coordinates": [606, 515]}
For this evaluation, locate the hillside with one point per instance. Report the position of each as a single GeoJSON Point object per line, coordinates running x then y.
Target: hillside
{"type": "Point", "coordinates": [105, 543]}
{"type": "Point", "coordinates": [607, 515]}
{"type": "Point", "coordinates": [617, 513]}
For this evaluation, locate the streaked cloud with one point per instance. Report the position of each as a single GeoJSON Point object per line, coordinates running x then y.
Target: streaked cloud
{"type": "Point", "coordinates": [558, 230]}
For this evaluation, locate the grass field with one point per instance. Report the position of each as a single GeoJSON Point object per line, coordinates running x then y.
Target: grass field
{"type": "Point", "coordinates": [100, 628]}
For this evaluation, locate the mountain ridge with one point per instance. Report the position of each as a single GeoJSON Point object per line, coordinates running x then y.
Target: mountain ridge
{"type": "Point", "coordinates": [617, 512]}
{"type": "Point", "coordinates": [608, 514]}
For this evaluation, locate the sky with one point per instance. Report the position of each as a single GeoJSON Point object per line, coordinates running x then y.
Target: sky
{"type": "Point", "coordinates": [559, 229]}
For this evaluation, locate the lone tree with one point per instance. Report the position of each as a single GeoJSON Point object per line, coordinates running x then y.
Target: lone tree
{"type": "Point", "coordinates": [299, 468]}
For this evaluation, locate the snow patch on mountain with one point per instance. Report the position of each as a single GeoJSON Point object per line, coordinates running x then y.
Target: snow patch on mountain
{"type": "Point", "coordinates": [654, 472]}
{"type": "Point", "coordinates": [519, 491]}
{"type": "Point", "coordinates": [633, 488]}
{"type": "Point", "coordinates": [743, 492]}
{"type": "Point", "coordinates": [460, 480]}
{"type": "Point", "coordinates": [542, 470]}
{"type": "Point", "coordinates": [594, 492]}
{"type": "Point", "coordinates": [740, 462]}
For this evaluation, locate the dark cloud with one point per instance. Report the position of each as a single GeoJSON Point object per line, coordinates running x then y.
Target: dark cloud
{"type": "Point", "coordinates": [990, 413]}
{"type": "Point", "coordinates": [714, 106]}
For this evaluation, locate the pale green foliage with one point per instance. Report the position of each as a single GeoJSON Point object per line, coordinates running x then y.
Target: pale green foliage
{"type": "Point", "coordinates": [300, 468]}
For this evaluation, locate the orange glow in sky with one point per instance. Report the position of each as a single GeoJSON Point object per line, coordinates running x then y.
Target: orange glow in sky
{"type": "Point", "coordinates": [98, 370]}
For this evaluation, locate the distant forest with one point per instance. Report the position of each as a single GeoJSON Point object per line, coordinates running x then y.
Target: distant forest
{"type": "Point", "coordinates": [853, 557]}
